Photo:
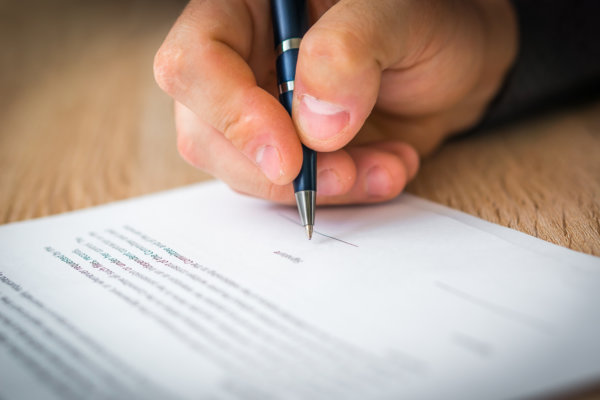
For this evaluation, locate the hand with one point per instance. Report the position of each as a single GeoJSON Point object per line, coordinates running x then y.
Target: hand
{"type": "Point", "coordinates": [377, 83]}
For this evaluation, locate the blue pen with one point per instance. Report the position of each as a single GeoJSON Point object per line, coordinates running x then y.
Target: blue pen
{"type": "Point", "coordinates": [290, 22]}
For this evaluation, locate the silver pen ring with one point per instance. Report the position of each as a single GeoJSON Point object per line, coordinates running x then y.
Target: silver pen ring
{"type": "Point", "coordinates": [288, 44]}
{"type": "Point", "coordinates": [286, 87]}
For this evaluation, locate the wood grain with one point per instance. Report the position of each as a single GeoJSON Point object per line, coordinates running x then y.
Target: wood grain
{"type": "Point", "coordinates": [82, 123]}
{"type": "Point", "coordinates": [541, 177]}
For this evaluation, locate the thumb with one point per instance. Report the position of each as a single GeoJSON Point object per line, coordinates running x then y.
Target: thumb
{"type": "Point", "coordinates": [339, 68]}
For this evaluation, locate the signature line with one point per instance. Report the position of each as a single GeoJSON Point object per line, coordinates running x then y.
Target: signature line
{"type": "Point", "coordinates": [317, 232]}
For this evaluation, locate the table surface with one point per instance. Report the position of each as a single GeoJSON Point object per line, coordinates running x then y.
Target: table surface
{"type": "Point", "coordinates": [82, 123]}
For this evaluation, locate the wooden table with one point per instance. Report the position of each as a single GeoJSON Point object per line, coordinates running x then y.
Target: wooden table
{"type": "Point", "coordinates": [83, 123]}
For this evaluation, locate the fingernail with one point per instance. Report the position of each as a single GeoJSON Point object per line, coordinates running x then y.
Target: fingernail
{"type": "Point", "coordinates": [328, 183]}
{"type": "Point", "coordinates": [378, 182]}
{"type": "Point", "coordinates": [269, 161]}
{"type": "Point", "coordinates": [320, 119]}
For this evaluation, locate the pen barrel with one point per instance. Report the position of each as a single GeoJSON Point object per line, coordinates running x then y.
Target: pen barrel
{"type": "Point", "coordinates": [285, 75]}
{"type": "Point", "coordinates": [307, 178]}
{"type": "Point", "coordinates": [290, 19]}
{"type": "Point", "coordinates": [290, 22]}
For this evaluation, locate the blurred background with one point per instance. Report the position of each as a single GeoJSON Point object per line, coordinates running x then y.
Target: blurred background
{"type": "Point", "coordinates": [80, 114]}
{"type": "Point", "coordinates": [82, 123]}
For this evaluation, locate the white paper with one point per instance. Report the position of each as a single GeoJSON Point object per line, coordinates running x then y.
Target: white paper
{"type": "Point", "coordinates": [201, 293]}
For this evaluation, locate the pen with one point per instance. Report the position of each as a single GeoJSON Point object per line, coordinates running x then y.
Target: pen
{"type": "Point", "coordinates": [290, 22]}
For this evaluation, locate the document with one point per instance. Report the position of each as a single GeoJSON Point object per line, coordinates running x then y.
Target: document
{"type": "Point", "coordinates": [201, 293]}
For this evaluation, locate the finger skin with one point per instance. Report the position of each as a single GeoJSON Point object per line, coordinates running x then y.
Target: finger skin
{"type": "Point", "coordinates": [336, 173]}
{"type": "Point", "coordinates": [380, 176]}
{"type": "Point", "coordinates": [406, 153]}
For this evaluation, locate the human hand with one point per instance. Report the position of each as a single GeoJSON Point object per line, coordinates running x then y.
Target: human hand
{"type": "Point", "coordinates": [377, 83]}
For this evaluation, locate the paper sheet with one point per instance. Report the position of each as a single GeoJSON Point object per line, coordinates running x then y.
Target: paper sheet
{"type": "Point", "coordinates": [201, 293]}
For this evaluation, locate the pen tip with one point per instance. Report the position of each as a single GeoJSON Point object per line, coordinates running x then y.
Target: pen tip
{"type": "Point", "coordinates": [309, 231]}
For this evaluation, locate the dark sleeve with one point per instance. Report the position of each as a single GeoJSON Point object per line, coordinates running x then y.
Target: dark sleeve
{"type": "Point", "coordinates": [558, 61]}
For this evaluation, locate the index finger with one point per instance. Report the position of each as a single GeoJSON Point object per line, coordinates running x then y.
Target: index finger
{"type": "Point", "coordinates": [203, 64]}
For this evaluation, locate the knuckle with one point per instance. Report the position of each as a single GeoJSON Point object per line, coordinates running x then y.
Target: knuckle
{"type": "Point", "coordinates": [231, 124]}
{"type": "Point", "coordinates": [244, 117]}
{"type": "Point", "coordinates": [237, 128]}
{"type": "Point", "coordinates": [341, 48]}
{"type": "Point", "coordinates": [169, 68]}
